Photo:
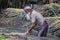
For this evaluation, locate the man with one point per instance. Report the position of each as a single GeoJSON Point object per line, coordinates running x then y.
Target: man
{"type": "Point", "coordinates": [36, 18]}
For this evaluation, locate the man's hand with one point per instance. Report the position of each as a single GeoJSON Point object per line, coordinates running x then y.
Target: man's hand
{"type": "Point", "coordinates": [27, 33]}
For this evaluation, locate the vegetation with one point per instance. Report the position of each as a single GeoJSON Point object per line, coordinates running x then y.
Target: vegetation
{"type": "Point", "coordinates": [49, 10]}
{"type": "Point", "coordinates": [12, 4]}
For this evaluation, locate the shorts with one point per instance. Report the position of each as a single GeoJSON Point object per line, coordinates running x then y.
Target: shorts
{"type": "Point", "coordinates": [43, 30]}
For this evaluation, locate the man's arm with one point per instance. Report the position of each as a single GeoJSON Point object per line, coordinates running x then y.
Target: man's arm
{"type": "Point", "coordinates": [30, 29]}
{"type": "Point", "coordinates": [32, 26]}
{"type": "Point", "coordinates": [34, 22]}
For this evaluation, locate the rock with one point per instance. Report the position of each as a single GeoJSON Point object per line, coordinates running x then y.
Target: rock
{"type": "Point", "coordinates": [43, 38]}
{"type": "Point", "coordinates": [30, 37]}
{"type": "Point", "coordinates": [15, 38]}
{"type": "Point", "coordinates": [22, 35]}
{"type": "Point", "coordinates": [57, 33]}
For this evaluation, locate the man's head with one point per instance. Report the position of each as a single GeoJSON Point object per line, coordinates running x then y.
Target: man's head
{"type": "Point", "coordinates": [27, 9]}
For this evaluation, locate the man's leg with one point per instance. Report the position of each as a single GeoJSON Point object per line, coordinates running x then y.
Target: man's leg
{"type": "Point", "coordinates": [43, 31]}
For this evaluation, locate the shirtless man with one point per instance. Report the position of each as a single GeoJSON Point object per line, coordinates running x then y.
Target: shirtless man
{"type": "Point", "coordinates": [36, 18]}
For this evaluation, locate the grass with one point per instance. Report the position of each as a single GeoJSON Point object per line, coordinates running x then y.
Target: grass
{"type": "Point", "coordinates": [13, 11]}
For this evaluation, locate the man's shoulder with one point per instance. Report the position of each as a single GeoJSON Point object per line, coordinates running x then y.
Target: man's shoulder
{"type": "Point", "coordinates": [34, 11]}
